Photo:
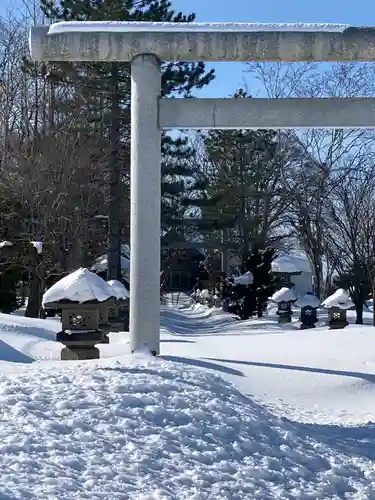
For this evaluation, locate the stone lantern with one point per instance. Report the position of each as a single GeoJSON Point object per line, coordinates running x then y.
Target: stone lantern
{"type": "Point", "coordinates": [309, 304]}
{"type": "Point", "coordinates": [337, 305]}
{"type": "Point", "coordinates": [284, 298]}
{"type": "Point", "coordinates": [81, 296]}
{"type": "Point", "coordinates": [284, 268]}
{"type": "Point", "coordinates": [118, 315]}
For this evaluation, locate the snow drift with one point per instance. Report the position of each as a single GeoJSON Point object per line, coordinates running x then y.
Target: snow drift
{"type": "Point", "coordinates": [157, 430]}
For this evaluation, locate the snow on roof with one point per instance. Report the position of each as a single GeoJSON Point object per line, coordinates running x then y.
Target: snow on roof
{"type": "Point", "coordinates": [101, 264]}
{"type": "Point", "coordinates": [244, 279]}
{"type": "Point", "coordinates": [80, 286]}
{"type": "Point", "coordinates": [284, 295]}
{"type": "Point", "coordinates": [284, 264]}
{"type": "Point", "coordinates": [340, 299]}
{"type": "Point", "coordinates": [307, 300]}
{"type": "Point", "coordinates": [38, 245]}
{"type": "Point", "coordinates": [291, 263]}
{"type": "Point", "coordinates": [125, 26]}
{"type": "Point", "coordinates": [120, 290]}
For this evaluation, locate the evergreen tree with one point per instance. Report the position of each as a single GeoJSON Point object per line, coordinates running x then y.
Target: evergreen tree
{"type": "Point", "coordinates": [97, 95]}
{"type": "Point", "coordinates": [243, 188]}
{"type": "Point", "coordinates": [9, 279]}
{"type": "Point", "coordinates": [177, 185]}
{"type": "Point", "coordinates": [259, 263]}
{"type": "Point", "coordinates": [253, 298]}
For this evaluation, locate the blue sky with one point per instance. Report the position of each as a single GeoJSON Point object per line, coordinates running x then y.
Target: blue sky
{"type": "Point", "coordinates": [231, 75]}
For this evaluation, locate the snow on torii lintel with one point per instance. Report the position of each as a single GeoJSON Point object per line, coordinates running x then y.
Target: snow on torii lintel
{"type": "Point", "coordinates": [204, 27]}
{"type": "Point", "coordinates": [79, 286]}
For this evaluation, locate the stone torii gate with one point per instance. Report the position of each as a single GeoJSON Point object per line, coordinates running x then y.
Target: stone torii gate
{"type": "Point", "coordinates": [144, 45]}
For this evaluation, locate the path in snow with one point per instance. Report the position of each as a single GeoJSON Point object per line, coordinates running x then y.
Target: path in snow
{"type": "Point", "coordinates": [312, 375]}
{"type": "Point", "coordinates": [308, 375]}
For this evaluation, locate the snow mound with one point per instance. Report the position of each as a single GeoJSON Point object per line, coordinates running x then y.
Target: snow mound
{"type": "Point", "coordinates": [204, 311]}
{"type": "Point", "coordinates": [158, 430]}
{"type": "Point", "coordinates": [284, 295]}
{"type": "Point", "coordinates": [119, 289]}
{"type": "Point", "coordinates": [10, 354]}
{"type": "Point", "coordinates": [125, 26]}
{"type": "Point", "coordinates": [339, 299]}
{"type": "Point", "coordinates": [80, 286]}
{"type": "Point", "coordinates": [308, 300]}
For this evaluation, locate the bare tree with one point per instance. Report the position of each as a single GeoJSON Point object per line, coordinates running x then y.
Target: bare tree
{"type": "Point", "coordinates": [317, 159]}
{"type": "Point", "coordinates": [350, 236]}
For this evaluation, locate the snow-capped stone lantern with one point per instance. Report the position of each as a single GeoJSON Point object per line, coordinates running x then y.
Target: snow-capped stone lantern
{"type": "Point", "coordinates": [309, 304]}
{"type": "Point", "coordinates": [337, 305]}
{"type": "Point", "coordinates": [80, 296]}
{"type": "Point", "coordinates": [284, 299]}
{"type": "Point", "coordinates": [118, 314]}
{"type": "Point", "coordinates": [283, 268]}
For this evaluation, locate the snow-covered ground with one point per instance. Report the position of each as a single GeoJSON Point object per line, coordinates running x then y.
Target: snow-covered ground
{"type": "Point", "coordinates": [230, 410]}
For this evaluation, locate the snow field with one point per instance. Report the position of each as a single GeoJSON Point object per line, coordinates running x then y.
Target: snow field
{"type": "Point", "coordinates": [158, 430]}
{"type": "Point", "coordinates": [231, 410]}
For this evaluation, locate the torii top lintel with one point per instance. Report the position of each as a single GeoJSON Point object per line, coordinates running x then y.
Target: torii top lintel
{"type": "Point", "coordinates": [122, 41]}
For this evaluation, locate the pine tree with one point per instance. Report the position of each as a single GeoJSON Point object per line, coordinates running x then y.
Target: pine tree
{"type": "Point", "coordinates": [243, 185]}
{"type": "Point", "coordinates": [259, 263]}
{"type": "Point", "coordinates": [99, 99]}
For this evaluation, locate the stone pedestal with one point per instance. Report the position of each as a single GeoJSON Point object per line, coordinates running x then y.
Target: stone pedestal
{"type": "Point", "coordinates": [103, 316]}
{"type": "Point", "coordinates": [79, 353]}
{"type": "Point", "coordinates": [308, 318]}
{"type": "Point", "coordinates": [284, 312]}
{"type": "Point", "coordinates": [337, 318]}
{"type": "Point", "coordinates": [118, 317]}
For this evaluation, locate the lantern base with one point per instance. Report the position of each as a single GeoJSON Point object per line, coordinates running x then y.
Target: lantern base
{"type": "Point", "coordinates": [79, 353]}
{"type": "Point", "coordinates": [306, 327]}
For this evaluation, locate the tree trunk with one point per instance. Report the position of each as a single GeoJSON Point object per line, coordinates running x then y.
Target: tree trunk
{"type": "Point", "coordinates": [359, 313]}
{"type": "Point", "coordinates": [358, 300]}
{"type": "Point", "coordinates": [318, 275]}
{"type": "Point", "coordinates": [34, 303]}
{"type": "Point", "coordinates": [114, 245]}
